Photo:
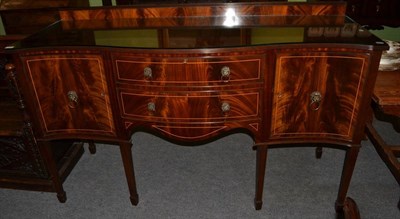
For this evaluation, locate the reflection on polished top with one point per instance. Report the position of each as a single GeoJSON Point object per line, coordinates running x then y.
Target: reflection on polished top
{"type": "Point", "coordinates": [230, 28]}
{"type": "Point", "coordinates": [197, 37]}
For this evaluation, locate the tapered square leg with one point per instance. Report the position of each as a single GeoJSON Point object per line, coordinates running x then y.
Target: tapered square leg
{"type": "Point", "coordinates": [346, 206]}
{"type": "Point", "coordinates": [126, 154]}
{"type": "Point", "coordinates": [260, 174]}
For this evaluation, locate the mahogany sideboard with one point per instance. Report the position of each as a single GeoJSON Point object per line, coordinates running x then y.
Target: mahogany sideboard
{"type": "Point", "coordinates": [193, 73]}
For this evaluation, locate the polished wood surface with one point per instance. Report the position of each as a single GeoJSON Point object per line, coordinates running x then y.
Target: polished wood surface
{"type": "Point", "coordinates": [26, 16]}
{"type": "Point", "coordinates": [187, 10]}
{"type": "Point", "coordinates": [205, 90]}
{"type": "Point", "coordinates": [374, 14]}
{"type": "Point", "coordinates": [195, 71]}
{"type": "Point", "coordinates": [167, 15]}
{"type": "Point", "coordinates": [387, 92]}
{"type": "Point", "coordinates": [337, 78]}
{"type": "Point", "coordinates": [22, 166]}
{"type": "Point", "coordinates": [202, 22]}
{"type": "Point", "coordinates": [85, 76]}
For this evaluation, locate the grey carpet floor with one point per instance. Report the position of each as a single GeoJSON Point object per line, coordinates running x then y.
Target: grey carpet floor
{"type": "Point", "coordinates": [215, 180]}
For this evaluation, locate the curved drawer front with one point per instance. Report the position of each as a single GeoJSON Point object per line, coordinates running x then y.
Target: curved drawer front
{"type": "Point", "coordinates": [190, 107]}
{"type": "Point", "coordinates": [219, 70]}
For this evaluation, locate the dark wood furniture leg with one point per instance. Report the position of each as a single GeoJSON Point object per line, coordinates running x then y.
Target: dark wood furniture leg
{"type": "Point", "coordinates": [388, 153]}
{"type": "Point", "coordinates": [346, 207]}
{"type": "Point", "coordinates": [260, 174]}
{"type": "Point", "coordinates": [48, 156]}
{"type": "Point", "coordinates": [92, 147]}
{"type": "Point", "coordinates": [318, 152]}
{"type": "Point", "coordinates": [126, 153]}
{"type": "Point", "coordinates": [386, 107]}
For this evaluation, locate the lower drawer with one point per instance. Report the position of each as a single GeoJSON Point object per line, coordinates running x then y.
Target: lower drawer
{"type": "Point", "coordinates": [190, 107]}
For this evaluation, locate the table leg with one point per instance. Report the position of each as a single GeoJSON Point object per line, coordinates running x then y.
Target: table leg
{"type": "Point", "coordinates": [260, 174]}
{"type": "Point", "coordinates": [318, 152]}
{"type": "Point", "coordinates": [346, 206]}
{"type": "Point", "coordinates": [126, 154]}
{"type": "Point", "coordinates": [350, 210]}
{"type": "Point", "coordinates": [92, 147]}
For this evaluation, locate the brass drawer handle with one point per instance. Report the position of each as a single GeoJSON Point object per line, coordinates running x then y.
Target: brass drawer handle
{"type": "Point", "coordinates": [72, 99]}
{"type": "Point", "coordinates": [225, 73]}
{"type": "Point", "coordinates": [147, 73]}
{"type": "Point", "coordinates": [316, 98]}
{"type": "Point", "coordinates": [225, 107]}
{"type": "Point", "coordinates": [151, 107]}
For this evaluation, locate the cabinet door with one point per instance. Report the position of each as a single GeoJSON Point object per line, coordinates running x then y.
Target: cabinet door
{"type": "Point", "coordinates": [71, 94]}
{"type": "Point", "coordinates": [317, 95]}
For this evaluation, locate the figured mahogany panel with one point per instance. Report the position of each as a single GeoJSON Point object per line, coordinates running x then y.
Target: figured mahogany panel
{"type": "Point", "coordinates": [187, 10]}
{"type": "Point", "coordinates": [219, 70]}
{"type": "Point", "coordinates": [337, 79]}
{"type": "Point", "coordinates": [57, 80]}
{"type": "Point", "coordinates": [190, 107]}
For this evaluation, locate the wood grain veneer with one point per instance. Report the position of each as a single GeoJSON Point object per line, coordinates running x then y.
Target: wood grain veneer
{"type": "Point", "coordinates": [269, 91]}
{"type": "Point", "coordinates": [339, 79]}
{"type": "Point", "coordinates": [187, 10]}
{"type": "Point", "coordinates": [52, 77]}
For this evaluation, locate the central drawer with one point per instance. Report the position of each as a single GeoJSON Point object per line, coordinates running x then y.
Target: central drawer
{"type": "Point", "coordinates": [190, 107]}
{"type": "Point", "coordinates": [195, 71]}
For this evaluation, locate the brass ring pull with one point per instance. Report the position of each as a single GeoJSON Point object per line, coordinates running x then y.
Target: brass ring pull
{"type": "Point", "coordinates": [72, 99]}
{"type": "Point", "coordinates": [147, 73]}
{"type": "Point", "coordinates": [225, 107]}
{"type": "Point", "coordinates": [225, 73]}
{"type": "Point", "coordinates": [316, 98]}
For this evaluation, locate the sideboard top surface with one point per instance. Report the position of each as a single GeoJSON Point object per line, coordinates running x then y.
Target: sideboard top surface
{"type": "Point", "coordinates": [222, 26]}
